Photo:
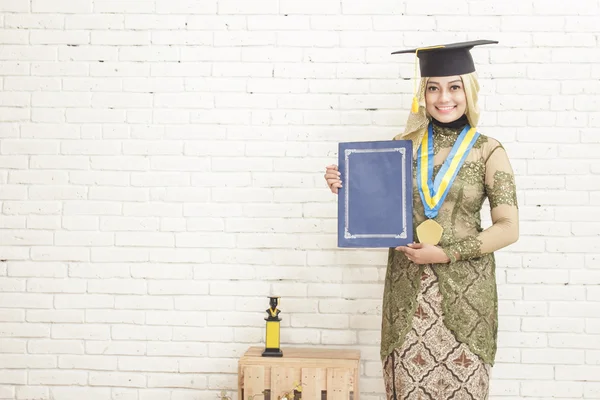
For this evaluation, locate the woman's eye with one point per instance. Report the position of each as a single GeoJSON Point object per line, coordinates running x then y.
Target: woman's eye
{"type": "Point", "coordinates": [431, 88]}
{"type": "Point", "coordinates": [455, 87]}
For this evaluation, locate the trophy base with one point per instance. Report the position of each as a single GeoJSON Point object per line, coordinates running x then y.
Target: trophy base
{"type": "Point", "coordinates": [272, 353]}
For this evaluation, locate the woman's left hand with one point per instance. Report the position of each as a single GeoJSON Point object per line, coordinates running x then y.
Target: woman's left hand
{"type": "Point", "coordinates": [423, 253]}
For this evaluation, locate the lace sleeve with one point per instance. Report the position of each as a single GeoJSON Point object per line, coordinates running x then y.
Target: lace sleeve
{"type": "Point", "coordinates": [501, 191]}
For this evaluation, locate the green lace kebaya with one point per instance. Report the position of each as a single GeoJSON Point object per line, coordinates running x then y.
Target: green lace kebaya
{"type": "Point", "coordinates": [468, 283]}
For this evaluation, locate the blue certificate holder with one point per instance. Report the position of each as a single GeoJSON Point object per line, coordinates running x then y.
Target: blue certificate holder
{"type": "Point", "coordinates": [375, 201]}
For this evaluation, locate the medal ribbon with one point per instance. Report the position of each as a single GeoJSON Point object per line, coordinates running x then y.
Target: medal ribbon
{"type": "Point", "coordinates": [433, 193]}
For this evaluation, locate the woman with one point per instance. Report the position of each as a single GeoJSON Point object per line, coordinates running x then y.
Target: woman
{"type": "Point", "coordinates": [439, 322]}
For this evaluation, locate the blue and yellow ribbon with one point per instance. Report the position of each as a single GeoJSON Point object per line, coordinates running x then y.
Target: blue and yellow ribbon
{"type": "Point", "coordinates": [434, 192]}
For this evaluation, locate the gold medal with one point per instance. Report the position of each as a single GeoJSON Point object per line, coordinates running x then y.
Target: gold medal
{"type": "Point", "coordinates": [429, 232]}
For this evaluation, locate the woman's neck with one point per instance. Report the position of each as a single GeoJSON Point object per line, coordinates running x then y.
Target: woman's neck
{"type": "Point", "coordinates": [459, 123]}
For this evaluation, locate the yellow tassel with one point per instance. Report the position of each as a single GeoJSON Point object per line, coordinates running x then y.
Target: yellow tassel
{"type": "Point", "coordinates": [415, 105]}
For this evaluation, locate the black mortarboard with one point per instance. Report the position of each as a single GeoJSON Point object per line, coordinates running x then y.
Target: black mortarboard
{"type": "Point", "coordinates": [446, 59]}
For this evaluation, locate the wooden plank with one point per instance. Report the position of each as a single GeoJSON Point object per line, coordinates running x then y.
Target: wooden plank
{"type": "Point", "coordinates": [299, 358]}
{"type": "Point", "coordinates": [283, 380]}
{"type": "Point", "coordinates": [339, 383]}
{"type": "Point", "coordinates": [294, 352]}
{"type": "Point", "coordinates": [268, 377]}
{"type": "Point", "coordinates": [314, 380]}
{"type": "Point", "coordinates": [355, 383]}
{"type": "Point", "coordinates": [240, 380]}
{"type": "Point", "coordinates": [254, 381]}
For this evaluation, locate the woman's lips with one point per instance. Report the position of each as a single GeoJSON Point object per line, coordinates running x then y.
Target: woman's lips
{"type": "Point", "coordinates": [446, 109]}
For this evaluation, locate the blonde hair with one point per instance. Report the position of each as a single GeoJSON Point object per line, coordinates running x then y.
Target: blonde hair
{"type": "Point", "coordinates": [417, 123]}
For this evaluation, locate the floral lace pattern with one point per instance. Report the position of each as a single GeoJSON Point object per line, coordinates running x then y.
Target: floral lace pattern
{"type": "Point", "coordinates": [467, 284]}
{"type": "Point", "coordinates": [503, 191]}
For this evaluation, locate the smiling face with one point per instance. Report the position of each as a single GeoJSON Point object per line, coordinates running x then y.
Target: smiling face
{"type": "Point", "coordinates": [445, 98]}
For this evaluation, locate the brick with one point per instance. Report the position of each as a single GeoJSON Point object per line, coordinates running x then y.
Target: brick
{"type": "Point", "coordinates": [573, 341]}
{"type": "Point", "coordinates": [87, 362]}
{"type": "Point", "coordinates": [320, 321]}
{"type": "Point", "coordinates": [12, 315]}
{"type": "Point", "coordinates": [572, 372]}
{"type": "Point", "coordinates": [25, 330]}
{"type": "Point", "coordinates": [13, 346]}
{"type": "Point", "coordinates": [118, 69]}
{"type": "Point", "coordinates": [554, 292]}
{"type": "Point", "coordinates": [94, 22]}
{"type": "Point", "coordinates": [331, 337]}
{"type": "Point", "coordinates": [106, 348]}
{"type": "Point", "coordinates": [226, 271]}
{"type": "Point", "coordinates": [140, 84]}
{"type": "Point", "coordinates": [143, 239]}
{"type": "Point", "coordinates": [13, 192]}
{"type": "Point", "coordinates": [120, 38]}
{"type": "Point", "coordinates": [119, 163]}
{"type": "Point", "coordinates": [31, 147]}
{"type": "Point", "coordinates": [62, 6]}
{"type": "Point", "coordinates": [82, 115]}
{"type": "Point", "coordinates": [554, 389]}
{"type": "Point", "coordinates": [6, 391]}
{"type": "Point", "coordinates": [153, 179]}
{"type": "Point", "coordinates": [553, 356]}
{"type": "Point", "coordinates": [50, 253]}
{"type": "Point", "coordinates": [14, 377]}
{"type": "Point", "coordinates": [177, 349]}
{"type": "Point", "coordinates": [538, 324]}
{"type": "Point", "coordinates": [56, 193]}
{"type": "Point", "coordinates": [155, 364]}
{"type": "Point", "coordinates": [16, 99]}
{"type": "Point", "coordinates": [180, 381]}
{"type": "Point", "coordinates": [32, 392]}
{"type": "Point", "coordinates": [55, 347]}
{"type": "Point", "coordinates": [559, 39]}
{"type": "Point", "coordinates": [153, 209]}
{"type": "Point", "coordinates": [9, 6]}
{"type": "Point", "coordinates": [87, 331]}
{"type": "Point", "coordinates": [16, 222]}
{"type": "Point", "coordinates": [91, 84]}
{"type": "Point", "coordinates": [38, 207]}
{"type": "Point", "coordinates": [191, 69]}
{"type": "Point", "coordinates": [66, 393]}
{"type": "Point", "coordinates": [584, 228]}
{"type": "Point", "coordinates": [186, 7]}
{"type": "Point", "coordinates": [25, 237]}
{"type": "Point", "coordinates": [70, 37]}
{"type": "Point", "coordinates": [309, 7]}
{"type": "Point", "coordinates": [117, 286]}
{"type": "Point", "coordinates": [180, 194]}
{"type": "Point", "coordinates": [29, 53]}
{"type": "Point", "coordinates": [506, 8]}
{"type": "Point", "coordinates": [211, 334]}
{"type": "Point", "coordinates": [43, 285]}
{"type": "Point", "coordinates": [120, 100]}
{"type": "Point", "coordinates": [581, 23]}
{"type": "Point", "coordinates": [58, 377]}
{"type": "Point", "coordinates": [141, 21]}
{"type": "Point", "coordinates": [22, 361]}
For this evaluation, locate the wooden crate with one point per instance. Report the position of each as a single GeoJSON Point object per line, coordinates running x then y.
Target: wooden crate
{"type": "Point", "coordinates": [330, 374]}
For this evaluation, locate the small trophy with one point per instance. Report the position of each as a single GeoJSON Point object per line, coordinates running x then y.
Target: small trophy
{"type": "Point", "coordinates": [272, 334]}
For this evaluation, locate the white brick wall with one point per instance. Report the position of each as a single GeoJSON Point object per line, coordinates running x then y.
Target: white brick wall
{"type": "Point", "coordinates": [161, 174]}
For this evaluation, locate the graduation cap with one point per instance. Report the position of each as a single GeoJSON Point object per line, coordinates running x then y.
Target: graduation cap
{"type": "Point", "coordinates": [444, 60]}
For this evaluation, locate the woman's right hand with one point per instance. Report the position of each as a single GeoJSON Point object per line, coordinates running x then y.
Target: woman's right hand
{"type": "Point", "coordinates": [332, 177]}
